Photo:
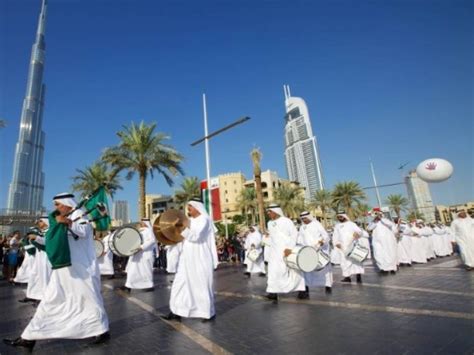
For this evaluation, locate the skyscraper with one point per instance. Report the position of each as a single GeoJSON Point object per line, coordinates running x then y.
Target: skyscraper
{"type": "Point", "coordinates": [420, 196]}
{"type": "Point", "coordinates": [301, 147]}
{"type": "Point", "coordinates": [26, 189]}
{"type": "Point", "coordinates": [120, 212]}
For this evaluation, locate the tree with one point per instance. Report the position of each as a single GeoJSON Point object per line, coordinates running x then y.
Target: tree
{"type": "Point", "coordinates": [2, 123]}
{"type": "Point", "coordinates": [290, 199]}
{"type": "Point", "coordinates": [91, 177]}
{"type": "Point", "coordinates": [247, 203]}
{"type": "Point", "coordinates": [397, 203]}
{"type": "Point", "coordinates": [256, 156]}
{"type": "Point", "coordinates": [189, 188]}
{"type": "Point", "coordinates": [347, 195]}
{"type": "Point", "coordinates": [323, 200]}
{"type": "Point", "coordinates": [144, 152]}
{"type": "Point", "coordinates": [360, 211]}
{"type": "Point", "coordinates": [414, 215]}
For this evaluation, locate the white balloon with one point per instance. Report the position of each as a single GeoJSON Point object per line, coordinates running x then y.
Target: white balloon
{"type": "Point", "coordinates": [434, 170]}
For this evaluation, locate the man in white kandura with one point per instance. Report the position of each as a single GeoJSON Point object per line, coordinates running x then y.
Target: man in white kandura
{"type": "Point", "coordinates": [140, 265]}
{"type": "Point", "coordinates": [313, 234]}
{"type": "Point", "coordinates": [26, 267]}
{"type": "Point", "coordinates": [173, 253]}
{"type": "Point", "coordinates": [106, 260]}
{"type": "Point", "coordinates": [384, 243]}
{"type": "Point", "coordinates": [345, 233]}
{"type": "Point", "coordinates": [463, 230]}
{"type": "Point", "coordinates": [192, 293]}
{"type": "Point", "coordinates": [418, 250]}
{"type": "Point", "coordinates": [72, 306]}
{"type": "Point", "coordinates": [404, 245]}
{"type": "Point", "coordinates": [283, 236]}
{"type": "Point", "coordinates": [253, 241]}
{"type": "Point", "coordinates": [439, 240]}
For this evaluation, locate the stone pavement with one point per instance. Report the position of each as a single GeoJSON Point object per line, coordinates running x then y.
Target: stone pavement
{"type": "Point", "coordinates": [425, 309]}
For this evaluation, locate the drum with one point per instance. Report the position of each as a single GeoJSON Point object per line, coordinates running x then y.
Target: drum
{"type": "Point", "coordinates": [323, 260]}
{"type": "Point", "coordinates": [357, 252]}
{"type": "Point", "coordinates": [302, 258]}
{"type": "Point", "coordinates": [125, 241]}
{"type": "Point", "coordinates": [253, 255]}
{"type": "Point", "coordinates": [99, 248]}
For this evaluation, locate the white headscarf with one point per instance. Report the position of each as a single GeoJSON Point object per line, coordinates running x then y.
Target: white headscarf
{"type": "Point", "coordinates": [66, 199]}
{"type": "Point", "coordinates": [343, 215]}
{"type": "Point", "coordinates": [276, 209]}
{"type": "Point", "coordinates": [147, 223]}
{"type": "Point", "coordinates": [306, 214]}
{"type": "Point", "coordinates": [44, 219]}
{"type": "Point", "coordinates": [200, 207]}
{"type": "Point", "coordinates": [255, 227]}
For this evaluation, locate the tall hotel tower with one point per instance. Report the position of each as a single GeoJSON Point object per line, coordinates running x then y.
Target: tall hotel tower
{"type": "Point", "coordinates": [301, 147]}
{"type": "Point", "coordinates": [26, 189]}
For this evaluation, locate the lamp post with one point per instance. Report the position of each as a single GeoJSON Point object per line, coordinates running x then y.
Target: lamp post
{"type": "Point", "coordinates": [206, 138]}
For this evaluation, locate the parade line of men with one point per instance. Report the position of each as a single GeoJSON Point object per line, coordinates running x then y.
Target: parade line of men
{"type": "Point", "coordinates": [63, 271]}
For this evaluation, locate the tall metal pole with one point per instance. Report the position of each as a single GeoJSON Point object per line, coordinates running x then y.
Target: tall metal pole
{"type": "Point", "coordinates": [208, 160]}
{"type": "Point", "coordinates": [375, 184]}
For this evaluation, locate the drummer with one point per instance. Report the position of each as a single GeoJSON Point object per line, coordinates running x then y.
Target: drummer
{"type": "Point", "coordinates": [253, 241]}
{"type": "Point", "coordinates": [140, 265]}
{"type": "Point", "coordinates": [345, 233]}
{"type": "Point", "coordinates": [313, 234]}
{"type": "Point", "coordinates": [283, 237]}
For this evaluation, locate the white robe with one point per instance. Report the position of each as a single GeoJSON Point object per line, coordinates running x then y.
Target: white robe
{"type": "Point", "coordinates": [312, 234]}
{"type": "Point", "coordinates": [72, 306]}
{"type": "Point", "coordinates": [418, 251]}
{"type": "Point", "coordinates": [106, 260]}
{"type": "Point", "coordinates": [448, 239]}
{"type": "Point", "coordinates": [344, 235]}
{"type": "Point", "coordinates": [281, 278]}
{"type": "Point", "coordinates": [427, 234]}
{"type": "Point", "coordinates": [404, 245]}
{"type": "Point", "coordinates": [40, 274]}
{"type": "Point", "coordinates": [192, 292]}
{"type": "Point", "coordinates": [140, 265]}
{"type": "Point", "coordinates": [384, 244]}
{"type": "Point", "coordinates": [266, 241]}
{"type": "Point", "coordinates": [23, 273]}
{"type": "Point", "coordinates": [173, 253]}
{"type": "Point", "coordinates": [439, 241]}
{"type": "Point", "coordinates": [463, 229]}
{"type": "Point", "coordinates": [254, 241]}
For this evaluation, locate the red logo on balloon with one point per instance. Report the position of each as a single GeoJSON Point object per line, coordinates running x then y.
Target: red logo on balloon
{"type": "Point", "coordinates": [431, 166]}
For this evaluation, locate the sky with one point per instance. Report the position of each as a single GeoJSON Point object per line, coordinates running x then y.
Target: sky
{"type": "Point", "coordinates": [386, 80]}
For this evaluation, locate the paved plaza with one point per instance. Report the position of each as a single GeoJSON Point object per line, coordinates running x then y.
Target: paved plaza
{"type": "Point", "coordinates": [425, 309]}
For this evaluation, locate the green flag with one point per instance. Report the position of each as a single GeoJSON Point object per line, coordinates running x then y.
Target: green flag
{"type": "Point", "coordinates": [100, 215]}
{"type": "Point", "coordinates": [57, 245]}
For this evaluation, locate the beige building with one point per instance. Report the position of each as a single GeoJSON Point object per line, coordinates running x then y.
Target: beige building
{"type": "Point", "coordinates": [231, 185]}
{"type": "Point", "coordinates": [446, 214]}
{"type": "Point", "coordinates": [156, 204]}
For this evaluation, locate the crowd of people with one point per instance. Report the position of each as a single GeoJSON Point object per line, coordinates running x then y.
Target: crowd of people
{"type": "Point", "coordinates": [59, 263]}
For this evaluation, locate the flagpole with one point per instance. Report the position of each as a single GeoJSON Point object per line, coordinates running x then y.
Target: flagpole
{"type": "Point", "coordinates": [208, 160]}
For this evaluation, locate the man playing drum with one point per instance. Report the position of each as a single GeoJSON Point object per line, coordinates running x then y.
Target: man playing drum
{"type": "Point", "coordinates": [313, 234]}
{"type": "Point", "coordinates": [254, 251]}
{"type": "Point", "coordinates": [283, 236]}
{"type": "Point", "coordinates": [345, 233]}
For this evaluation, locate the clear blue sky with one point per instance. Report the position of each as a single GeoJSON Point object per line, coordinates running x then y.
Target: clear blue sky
{"type": "Point", "coordinates": [390, 80]}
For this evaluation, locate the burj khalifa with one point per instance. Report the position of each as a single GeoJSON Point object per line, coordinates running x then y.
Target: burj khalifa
{"type": "Point", "coordinates": [26, 188]}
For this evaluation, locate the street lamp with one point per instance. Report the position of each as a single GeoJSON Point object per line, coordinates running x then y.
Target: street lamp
{"type": "Point", "coordinates": [205, 139]}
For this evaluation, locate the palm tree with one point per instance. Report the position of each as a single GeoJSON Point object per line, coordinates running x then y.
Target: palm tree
{"type": "Point", "coordinates": [397, 203]}
{"type": "Point", "coordinates": [290, 199]}
{"type": "Point", "coordinates": [189, 188]}
{"type": "Point", "coordinates": [414, 215]}
{"type": "Point", "coordinates": [91, 177]}
{"type": "Point", "coordinates": [347, 195]}
{"type": "Point", "coordinates": [361, 210]}
{"type": "Point", "coordinates": [323, 200]}
{"type": "Point", "coordinates": [247, 203]}
{"type": "Point", "coordinates": [257, 173]}
{"type": "Point", "coordinates": [143, 151]}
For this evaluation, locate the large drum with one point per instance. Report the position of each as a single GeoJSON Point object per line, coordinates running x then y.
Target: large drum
{"type": "Point", "coordinates": [125, 241]}
{"type": "Point", "coordinates": [303, 258]}
{"type": "Point", "coordinates": [357, 252]}
{"type": "Point", "coordinates": [323, 260]}
{"type": "Point", "coordinates": [99, 248]}
{"type": "Point", "coordinates": [253, 255]}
